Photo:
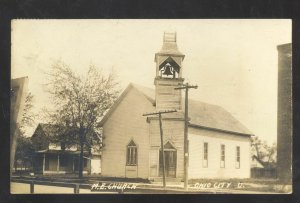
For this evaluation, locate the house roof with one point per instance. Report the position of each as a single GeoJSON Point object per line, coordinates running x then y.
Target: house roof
{"type": "Point", "coordinates": [48, 129]}
{"type": "Point", "coordinates": [201, 114]}
{"type": "Point", "coordinates": [51, 129]}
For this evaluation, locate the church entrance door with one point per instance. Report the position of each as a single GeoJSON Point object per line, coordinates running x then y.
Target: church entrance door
{"type": "Point", "coordinates": [170, 161]}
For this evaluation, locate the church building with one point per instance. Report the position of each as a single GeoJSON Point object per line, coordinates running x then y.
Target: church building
{"type": "Point", "coordinates": [219, 145]}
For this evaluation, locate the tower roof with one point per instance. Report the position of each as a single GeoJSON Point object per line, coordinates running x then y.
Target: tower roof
{"type": "Point", "coordinates": [169, 45]}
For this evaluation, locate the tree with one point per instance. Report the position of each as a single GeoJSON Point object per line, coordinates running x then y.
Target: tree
{"type": "Point", "coordinates": [24, 150]}
{"type": "Point", "coordinates": [264, 152]}
{"type": "Point", "coordinates": [28, 116]}
{"type": "Point", "coordinates": [80, 102]}
{"type": "Point", "coordinates": [271, 154]}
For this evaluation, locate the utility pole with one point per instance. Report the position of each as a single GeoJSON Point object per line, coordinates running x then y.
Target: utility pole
{"type": "Point", "coordinates": [161, 138]}
{"type": "Point", "coordinates": [186, 122]}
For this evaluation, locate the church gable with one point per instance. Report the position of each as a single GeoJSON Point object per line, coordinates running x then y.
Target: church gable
{"type": "Point", "coordinates": [131, 91]}
{"type": "Point", "coordinates": [128, 109]}
{"type": "Point", "coordinates": [123, 125]}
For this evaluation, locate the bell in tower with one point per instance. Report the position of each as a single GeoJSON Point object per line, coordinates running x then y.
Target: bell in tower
{"type": "Point", "coordinates": [169, 68]}
{"type": "Point", "coordinates": [169, 59]}
{"type": "Point", "coordinates": [168, 74]}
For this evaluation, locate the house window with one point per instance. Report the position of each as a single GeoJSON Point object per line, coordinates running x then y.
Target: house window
{"type": "Point", "coordinates": [46, 162]}
{"type": "Point", "coordinates": [85, 162]}
{"type": "Point", "coordinates": [238, 157]}
{"type": "Point", "coordinates": [63, 160]}
{"type": "Point", "coordinates": [222, 156]}
{"type": "Point", "coordinates": [131, 154]}
{"type": "Point", "coordinates": [205, 155]}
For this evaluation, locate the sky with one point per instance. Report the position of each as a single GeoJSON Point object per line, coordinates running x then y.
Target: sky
{"type": "Point", "coordinates": [233, 62]}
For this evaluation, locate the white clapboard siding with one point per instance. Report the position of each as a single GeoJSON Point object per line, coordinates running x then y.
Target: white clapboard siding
{"type": "Point", "coordinates": [215, 139]}
{"type": "Point", "coordinates": [126, 123]}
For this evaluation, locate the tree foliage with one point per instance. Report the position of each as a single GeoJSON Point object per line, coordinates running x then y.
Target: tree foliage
{"type": "Point", "coordinates": [80, 101]}
{"type": "Point", "coordinates": [264, 152]}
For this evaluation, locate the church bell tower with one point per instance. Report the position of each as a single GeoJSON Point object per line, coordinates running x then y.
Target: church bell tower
{"type": "Point", "coordinates": [168, 74]}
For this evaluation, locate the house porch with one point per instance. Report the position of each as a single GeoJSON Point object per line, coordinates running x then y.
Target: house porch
{"type": "Point", "coordinates": [59, 162]}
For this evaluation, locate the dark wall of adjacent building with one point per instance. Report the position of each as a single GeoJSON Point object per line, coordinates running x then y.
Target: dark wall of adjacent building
{"type": "Point", "coordinates": [284, 127]}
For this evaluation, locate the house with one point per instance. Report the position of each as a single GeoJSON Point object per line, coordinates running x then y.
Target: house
{"type": "Point", "coordinates": [55, 158]}
{"type": "Point", "coordinates": [219, 145]}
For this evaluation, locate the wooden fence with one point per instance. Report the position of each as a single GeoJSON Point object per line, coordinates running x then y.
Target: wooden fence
{"type": "Point", "coordinates": [76, 186]}
{"type": "Point", "coordinates": [264, 173]}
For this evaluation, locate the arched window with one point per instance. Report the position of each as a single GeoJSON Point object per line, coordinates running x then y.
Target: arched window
{"type": "Point", "coordinates": [131, 154]}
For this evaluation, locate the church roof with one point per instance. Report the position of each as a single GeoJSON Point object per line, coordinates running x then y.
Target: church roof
{"type": "Point", "coordinates": [201, 114]}
{"type": "Point", "coordinates": [214, 117]}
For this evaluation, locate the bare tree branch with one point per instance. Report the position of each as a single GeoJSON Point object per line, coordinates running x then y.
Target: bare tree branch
{"type": "Point", "coordinates": [80, 102]}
